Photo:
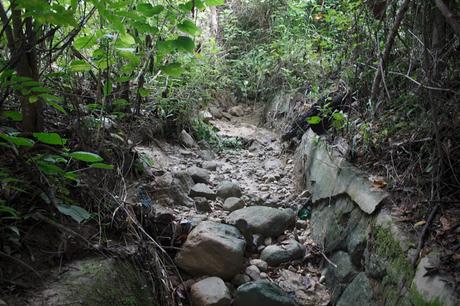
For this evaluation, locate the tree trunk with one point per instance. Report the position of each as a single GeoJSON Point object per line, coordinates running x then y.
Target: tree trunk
{"type": "Point", "coordinates": [388, 47]}
{"type": "Point", "coordinates": [26, 65]}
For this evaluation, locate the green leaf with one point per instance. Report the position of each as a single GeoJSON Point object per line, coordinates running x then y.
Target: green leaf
{"type": "Point", "coordinates": [107, 88]}
{"type": "Point", "coordinates": [50, 138]}
{"type": "Point", "coordinates": [188, 27]}
{"type": "Point", "coordinates": [173, 69]}
{"type": "Point", "coordinates": [77, 213]}
{"type": "Point", "coordinates": [86, 156]}
{"type": "Point", "coordinates": [145, 28]}
{"type": "Point", "coordinates": [101, 166]}
{"type": "Point", "coordinates": [143, 92]}
{"type": "Point", "coordinates": [49, 168]}
{"type": "Point", "coordinates": [79, 66]}
{"type": "Point", "coordinates": [18, 141]}
{"type": "Point", "coordinates": [215, 2]}
{"type": "Point", "coordinates": [184, 43]}
{"type": "Point", "coordinates": [127, 40]}
{"type": "Point", "coordinates": [148, 10]}
{"type": "Point", "coordinates": [313, 120]}
{"type": "Point", "coordinates": [15, 116]}
{"type": "Point", "coordinates": [85, 42]}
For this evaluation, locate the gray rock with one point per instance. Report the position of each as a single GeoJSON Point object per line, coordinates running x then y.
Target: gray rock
{"type": "Point", "coordinates": [232, 204]}
{"type": "Point", "coordinates": [210, 165]}
{"type": "Point", "coordinates": [272, 164]}
{"type": "Point", "coordinates": [262, 293]}
{"type": "Point", "coordinates": [215, 112]}
{"type": "Point", "coordinates": [327, 174]}
{"type": "Point", "coordinates": [236, 111]}
{"type": "Point", "coordinates": [253, 272]}
{"type": "Point", "coordinates": [207, 155]}
{"type": "Point", "coordinates": [212, 249]}
{"type": "Point", "coordinates": [199, 175]}
{"type": "Point", "coordinates": [210, 291]}
{"type": "Point", "coordinates": [344, 272]}
{"type": "Point", "coordinates": [357, 241]}
{"type": "Point", "coordinates": [375, 265]}
{"type": "Point", "coordinates": [196, 219]}
{"type": "Point", "coordinates": [267, 221]}
{"type": "Point", "coordinates": [240, 279]}
{"type": "Point", "coordinates": [202, 204]}
{"type": "Point", "coordinates": [357, 293]}
{"type": "Point", "coordinates": [172, 189]}
{"type": "Point", "coordinates": [205, 115]}
{"type": "Point", "coordinates": [330, 223]}
{"type": "Point", "coordinates": [278, 254]}
{"type": "Point", "coordinates": [187, 140]}
{"type": "Point", "coordinates": [202, 190]}
{"type": "Point", "coordinates": [433, 287]}
{"type": "Point", "coordinates": [228, 189]}
{"type": "Point", "coordinates": [259, 263]}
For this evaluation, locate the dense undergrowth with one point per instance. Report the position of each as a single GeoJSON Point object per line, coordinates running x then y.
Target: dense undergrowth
{"type": "Point", "coordinates": [84, 82]}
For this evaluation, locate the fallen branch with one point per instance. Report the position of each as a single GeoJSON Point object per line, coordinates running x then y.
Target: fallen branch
{"type": "Point", "coordinates": [17, 260]}
{"type": "Point", "coordinates": [424, 234]}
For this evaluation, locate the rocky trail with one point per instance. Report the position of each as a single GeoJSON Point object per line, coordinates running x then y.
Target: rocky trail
{"type": "Point", "coordinates": [246, 245]}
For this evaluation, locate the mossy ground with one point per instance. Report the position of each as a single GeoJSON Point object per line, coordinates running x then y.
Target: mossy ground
{"type": "Point", "coordinates": [399, 272]}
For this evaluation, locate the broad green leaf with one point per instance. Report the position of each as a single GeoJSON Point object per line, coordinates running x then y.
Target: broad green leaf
{"type": "Point", "coordinates": [101, 166]}
{"type": "Point", "coordinates": [184, 43]}
{"type": "Point", "coordinates": [85, 42]}
{"type": "Point", "coordinates": [107, 89]}
{"type": "Point", "coordinates": [148, 10]}
{"type": "Point", "coordinates": [188, 27]}
{"type": "Point", "coordinates": [145, 28]}
{"type": "Point", "coordinates": [215, 2]}
{"type": "Point", "coordinates": [125, 40]}
{"type": "Point", "coordinates": [143, 92]}
{"type": "Point", "coordinates": [314, 120]}
{"type": "Point", "coordinates": [15, 116]}
{"type": "Point", "coordinates": [50, 138]}
{"type": "Point", "coordinates": [71, 175]}
{"type": "Point", "coordinates": [77, 213]}
{"type": "Point", "coordinates": [49, 168]}
{"type": "Point", "coordinates": [173, 69]}
{"type": "Point", "coordinates": [86, 156]}
{"type": "Point", "coordinates": [79, 66]}
{"type": "Point", "coordinates": [18, 141]}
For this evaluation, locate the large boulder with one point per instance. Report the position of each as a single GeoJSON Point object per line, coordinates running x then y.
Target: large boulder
{"type": "Point", "coordinates": [202, 190]}
{"type": "Point", "coordinates": [172, 189]}
{"type": "Point", "coordinates": [262, 293]}
{"type": "Point", "coordinates": [433, 287]}
{"type": "Point", "coordinates": [199, 175]}
{"type": "Point", "coordinates": [228, 189]}
{"type": "Point", "coordinates": [213, 249]}
{"type": "Point", "coordinates": [187, 140]}
{"type": "Point", "coordinates": [210, 291]}
{"type": "Point", "coordinates": [357, 293]}
{"type": "Point", "coordinates": [287, 251]}
{"type": "Point", "coordinates": [267, 221]}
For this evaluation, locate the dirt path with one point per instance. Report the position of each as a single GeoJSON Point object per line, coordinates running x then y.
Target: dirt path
{"type": "Point", "coordinates": [265, 177]}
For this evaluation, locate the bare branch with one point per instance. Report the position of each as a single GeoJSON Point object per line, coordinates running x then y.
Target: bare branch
{"type": "Point", "coordinates": [450, 17]}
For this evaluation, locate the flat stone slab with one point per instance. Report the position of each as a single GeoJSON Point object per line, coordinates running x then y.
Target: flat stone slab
{"type": "Point", "coordinates": [327, 174]}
